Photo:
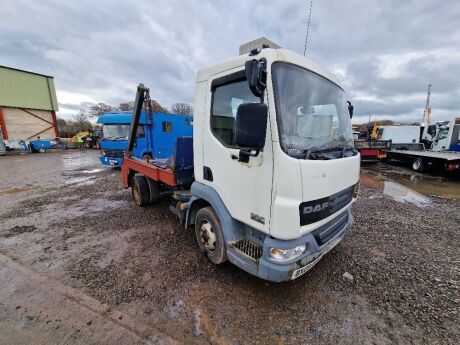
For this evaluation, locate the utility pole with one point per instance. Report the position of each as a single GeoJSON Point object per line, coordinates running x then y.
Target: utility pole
{"type": "Point", "coordinates": [427, 112]}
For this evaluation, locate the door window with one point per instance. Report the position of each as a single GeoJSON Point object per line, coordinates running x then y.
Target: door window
{"type": "Point", "coordinates": [443, 133]}
{"type": "Point", "coordinates": [225, 101]}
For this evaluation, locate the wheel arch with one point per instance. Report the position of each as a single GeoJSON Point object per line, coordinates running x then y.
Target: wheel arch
{"type": "Point", "coordinates": [204, 196]}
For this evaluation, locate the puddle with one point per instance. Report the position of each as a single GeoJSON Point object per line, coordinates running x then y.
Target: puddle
{"type": "Point", "coordinates": [81, 181]}
{"type": "Point", "coordinates": [98, 205]}
{"type": "Point", "coordinates": [396, 191]}
{"type": "Point", "coordinates": [93, 171]}
{"type": "Point", "coordinates": [415, 186]}
{"type": "Point", "coordinates": [403, 194]}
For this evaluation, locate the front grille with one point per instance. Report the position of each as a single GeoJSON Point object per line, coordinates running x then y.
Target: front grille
{"type": "Point", "coordinates": [326, 232]}
{"type": "Point", "coordinates": [114, 153]}
{"type": "Point", "coordinates": [316, 210]}
{"type": "Point", "coordinates": [249, 248]}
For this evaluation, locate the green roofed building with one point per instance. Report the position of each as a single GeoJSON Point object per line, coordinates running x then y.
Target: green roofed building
{"type": "Point", "coordinates": [28, 105]}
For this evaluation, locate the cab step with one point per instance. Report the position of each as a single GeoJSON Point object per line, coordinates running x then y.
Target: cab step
{"type": "Point", "coordinates": [249, 248]}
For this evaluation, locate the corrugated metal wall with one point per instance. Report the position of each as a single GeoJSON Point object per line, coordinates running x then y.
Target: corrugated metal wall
{"type": "Point", "coordinates": [27, 90]}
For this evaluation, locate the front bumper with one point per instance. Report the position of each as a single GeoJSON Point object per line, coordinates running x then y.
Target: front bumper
{"type": "Point", "coordinates": [111, 161]}
{"type": "Point", "coordinates": [318, 243]}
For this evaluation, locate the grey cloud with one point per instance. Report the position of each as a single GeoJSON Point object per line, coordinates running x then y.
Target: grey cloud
{"type": "Point", "coordinates": [102, 49]}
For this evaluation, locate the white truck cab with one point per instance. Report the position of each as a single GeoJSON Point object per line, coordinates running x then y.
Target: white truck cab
{"type": "Point", "coordinates": [443, 135]}
{"type": "Point", "coordinates": [274, 163]}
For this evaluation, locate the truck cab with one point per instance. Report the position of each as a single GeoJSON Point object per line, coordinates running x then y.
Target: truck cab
{"type": "Point", "coordinates": [447, 137]}
{"type": "Point", "coordinates": [155, 137]}
{"type": "Point", "coordinates": [291, 194]}
{"type": "Point", "coordinates": [275, 171]}
{"type": "Point", "coordinates": [442, 135]}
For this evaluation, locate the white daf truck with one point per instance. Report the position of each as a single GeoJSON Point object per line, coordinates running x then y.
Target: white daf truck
{"type": "Point", "coordinates": [274, 170]}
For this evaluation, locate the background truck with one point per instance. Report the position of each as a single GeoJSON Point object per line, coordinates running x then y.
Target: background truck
{"type": "Point", "coordinates": [442, 135]}
{"type": "Point", "coordinates": [401, 137]}
{"type": "Point", "coordinates": [440, 147]}
{"type": "Point", "coordinates": [156, 135]}
{"type": "Point", "coordinates": [371, 150]}
{"type": "Point", "coordinates": [268, 179]}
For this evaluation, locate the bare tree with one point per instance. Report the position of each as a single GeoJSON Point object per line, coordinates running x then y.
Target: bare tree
{"type": "Point", "coordinates": [82, 121]}
{"type": "Point", "coordinates": [100, 108]}
{"type": "Point", "coordinates": [157, 107]}
{"type": "Point", "coordinates": [182, 109]}
{"type": "Point", "coordinates": [128, 106]}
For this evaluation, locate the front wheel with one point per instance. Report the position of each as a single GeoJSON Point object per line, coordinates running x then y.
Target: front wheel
{"type": "Point", "coordinates": [418, 164]}
{"type": "Point", "coordinates": [209, 235]}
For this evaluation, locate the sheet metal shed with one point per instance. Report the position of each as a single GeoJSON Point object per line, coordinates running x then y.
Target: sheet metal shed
{"type": "Point", "coordinates": [28, 105]}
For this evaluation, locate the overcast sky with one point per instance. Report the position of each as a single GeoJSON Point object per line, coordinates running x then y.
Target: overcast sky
{"type": "Point", "coordinates": [385, 52]}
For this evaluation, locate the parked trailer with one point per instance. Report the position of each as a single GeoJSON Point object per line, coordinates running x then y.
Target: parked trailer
{"type": "Point", "coordinates": [372, 151]}
{"type": "Point", "coordinates": [271, 198]}
{"type": "Point", "coordinates": [421, 160]}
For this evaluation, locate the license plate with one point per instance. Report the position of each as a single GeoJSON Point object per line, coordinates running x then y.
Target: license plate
{"type": "Point", "coordinates": [113, 162]}
{"type": "Point", "coordinates": [302, 270]}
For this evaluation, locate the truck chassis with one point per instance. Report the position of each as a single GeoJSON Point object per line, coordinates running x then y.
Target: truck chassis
{"type": "Point", "coordinates": [421, 160]}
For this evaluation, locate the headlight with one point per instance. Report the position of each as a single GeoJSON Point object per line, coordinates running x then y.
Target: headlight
{"type": "Point", "coordinates": [103, 153]}
{"type": "Point", "coordinates": [286, 254]}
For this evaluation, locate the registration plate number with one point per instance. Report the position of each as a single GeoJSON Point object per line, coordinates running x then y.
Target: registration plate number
{"type": "Point", "coordinates": [302, 270]}
{"type": "Point", "coordinates": [113, 162]}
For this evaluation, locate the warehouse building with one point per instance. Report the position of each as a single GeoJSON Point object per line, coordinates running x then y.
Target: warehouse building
{"type": "Point", "coordinates": [28, 105]}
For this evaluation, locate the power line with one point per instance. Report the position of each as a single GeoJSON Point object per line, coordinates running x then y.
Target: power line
{"type": "Point", "coordinates": [308, 29]}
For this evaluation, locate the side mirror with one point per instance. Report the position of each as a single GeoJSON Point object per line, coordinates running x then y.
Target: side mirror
{"type": "Point", "coordinates": [251, 126]}
{"type": "Point", "coordinates": [350, 109]}
{"type": "Point", "coordinates": [256, 74]}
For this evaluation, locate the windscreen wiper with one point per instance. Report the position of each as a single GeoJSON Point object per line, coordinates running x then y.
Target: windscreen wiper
{"type": "Point", "coordinates": [325, 148]}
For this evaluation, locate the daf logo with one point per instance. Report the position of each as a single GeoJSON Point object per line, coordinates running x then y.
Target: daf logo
{"type": "Point", "coordinates": [316, 208]}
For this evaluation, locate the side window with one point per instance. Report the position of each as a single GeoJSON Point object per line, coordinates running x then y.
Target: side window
{"type": "Point", "coordinates": [443, 134]}
{"type": "Point", "coordinates": [225, 101]}
{"type": "Point", "coordinates": [140, 132]}
{"type": "Point", "coordinates": [167, 126]}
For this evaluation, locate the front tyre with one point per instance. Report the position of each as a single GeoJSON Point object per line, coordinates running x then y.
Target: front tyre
{"type": "Point", "coordinates": [418, 164]}
{"type": "Point", "coordinates": [209, 235]}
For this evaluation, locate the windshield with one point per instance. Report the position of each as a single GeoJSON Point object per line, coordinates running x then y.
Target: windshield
{"type": "Point", "coordinates": [311, 110]}
{"type": "Point", "coordinates": [116, 131]}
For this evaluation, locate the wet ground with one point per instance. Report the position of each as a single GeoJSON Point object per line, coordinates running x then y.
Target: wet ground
{"type": "Point", "coordinates": [80, 263]}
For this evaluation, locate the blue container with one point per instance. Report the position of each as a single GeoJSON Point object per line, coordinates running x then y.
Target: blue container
{"type": "Point", "coordinates": [156, 135]}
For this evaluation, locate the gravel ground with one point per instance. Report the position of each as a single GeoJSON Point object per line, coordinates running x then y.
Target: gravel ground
{"type": "Point", "coordinates": [395, 279]}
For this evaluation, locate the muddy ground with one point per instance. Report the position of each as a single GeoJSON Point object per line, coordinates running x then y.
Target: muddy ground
{"type": "Point", "coordinates": [80, 263]}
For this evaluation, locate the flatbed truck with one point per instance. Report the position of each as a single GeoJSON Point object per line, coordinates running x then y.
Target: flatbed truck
{"type": "Point", "coordinates": [423, 159]}
{"type": "Point", "coordinates": [443, 150]}
{"type": "Point", "coordinates": [268, 179]}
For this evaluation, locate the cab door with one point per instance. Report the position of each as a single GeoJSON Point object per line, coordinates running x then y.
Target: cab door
{"type": "Point", "coordinates": [245, 188]}
{"type": "Point", "coordinates": [140, 147]}
{"type": "Point", "coordinates": [442, 140]}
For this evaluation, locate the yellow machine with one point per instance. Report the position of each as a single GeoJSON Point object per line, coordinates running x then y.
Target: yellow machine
{"type": "Point", "coordinates": [74, 139]}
